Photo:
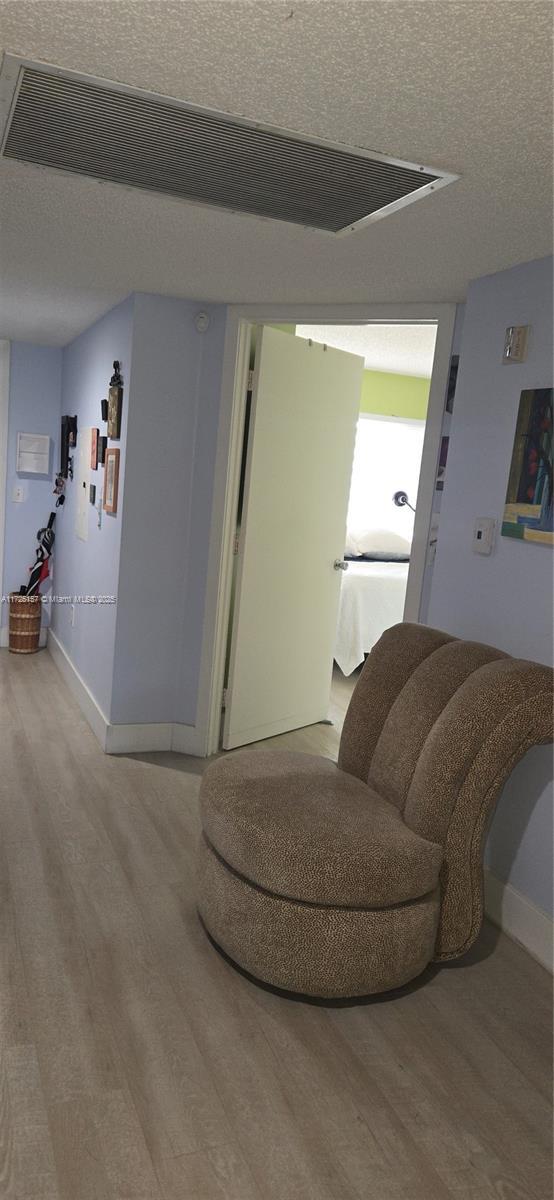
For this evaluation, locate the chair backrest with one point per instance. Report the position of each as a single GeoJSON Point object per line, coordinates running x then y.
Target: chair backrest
{"type": "Point", "coordinates": [436, 726]}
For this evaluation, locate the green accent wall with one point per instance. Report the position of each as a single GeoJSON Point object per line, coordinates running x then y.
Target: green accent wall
{"type": "Point", "coordinates": [395, 395]}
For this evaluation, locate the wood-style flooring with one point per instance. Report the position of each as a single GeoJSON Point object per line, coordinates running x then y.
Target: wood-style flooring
{"type": "Point", "coordinates": [136, 1065]}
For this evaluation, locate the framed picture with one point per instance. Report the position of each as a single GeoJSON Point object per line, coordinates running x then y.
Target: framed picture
{"type": "Point", "coordinates": [93, 449]}
{"type": "Point", "coordinates": [452, 381]}
{"type": "Point", "coordinates": [111, 479]}
{"type": "Point", "coordinates": [441, 472]}
{"type": "Point", "coordinates": [102, 447]}
{"type": "Point", "coordinates": [115, 401]}
{"type": "Point", "coordinates": [528, 513]}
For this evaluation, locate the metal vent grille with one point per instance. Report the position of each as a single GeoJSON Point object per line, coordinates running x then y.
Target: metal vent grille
{"type": "Point", "coordinates": [92, 127]}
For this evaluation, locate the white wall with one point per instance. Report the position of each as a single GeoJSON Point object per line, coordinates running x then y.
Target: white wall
{"type": "Point", "coordinates": [506, 599]}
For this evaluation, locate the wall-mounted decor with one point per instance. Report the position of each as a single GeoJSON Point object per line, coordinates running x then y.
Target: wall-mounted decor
{"type": "Point", "coordinates": [92, 493]}
{"type": "Point", "coordinates": [93, 449]}
{"type": "Point", "coordinates": [111, 479]}
{"type": "Point", "coordinates": [441, 472]}
{"type": "Point", "coordinates": [528, 510]}
{"type": "Point", "coordinates": [102, 447]}
{"type": "Point", "coordinates": [33, 454]}
{"type": "Point", "coordinates": [452, 381]}
{"type": "Point", "coordinates": [82, 468]}
{"type": "Point", "coordinates": [104, 409]}
{"type": "Point", "coordinates": [115, 401]}
{"type": "Point", "coordinates": [68, 443]}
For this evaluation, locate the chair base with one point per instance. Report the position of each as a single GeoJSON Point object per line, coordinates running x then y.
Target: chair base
{"type": "Point", "coordinates": [310, 951]}
{"type": "Point", "coordinates": [317, 1001]}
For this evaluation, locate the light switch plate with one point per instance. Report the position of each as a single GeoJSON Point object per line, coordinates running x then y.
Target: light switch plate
{"type": "Point", "coordinates": [484, 534]}
{"type": "Point", "coordinates": [515, 344]}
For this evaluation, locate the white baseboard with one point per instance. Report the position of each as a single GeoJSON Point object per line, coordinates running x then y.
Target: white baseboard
{"type": "Point", "coordinates": [134, 739]}
{"type": "Point", "coordinates": [89, 706]}
{"type": "Point", "coordinates": [187, 739]}
{"type": "Point", "coordinates": [5, 636]}
{"type": "Point", "coordinates": [123, 739]}
{"type": "Point", "coordinates": [520, 919]}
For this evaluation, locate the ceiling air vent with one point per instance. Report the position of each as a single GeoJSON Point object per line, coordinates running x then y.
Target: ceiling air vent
{"type": "Point", "coordinates": [108, 131]}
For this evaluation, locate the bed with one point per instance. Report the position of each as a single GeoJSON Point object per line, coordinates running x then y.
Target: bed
{"type": "Point", "coordinates": [371, 600]}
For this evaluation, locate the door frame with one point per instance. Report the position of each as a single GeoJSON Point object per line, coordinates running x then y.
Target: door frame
{"type": "Point", "coordinates": [234, 382]}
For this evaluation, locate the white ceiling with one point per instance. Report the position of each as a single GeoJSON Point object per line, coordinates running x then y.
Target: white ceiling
{"type": "Point", "coordinates": [403, 349]}
{"type": "Point", "coordinates": [460, 84]}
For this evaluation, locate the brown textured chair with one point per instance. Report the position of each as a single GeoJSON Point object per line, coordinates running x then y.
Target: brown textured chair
{"type": "Point", "coordinates": [338, 881]}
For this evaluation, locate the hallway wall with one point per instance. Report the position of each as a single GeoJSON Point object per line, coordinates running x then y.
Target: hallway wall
{"type": "Point", "coordinates": [505, 599]}
{"type": "Point", "coordinates": [34, 407]}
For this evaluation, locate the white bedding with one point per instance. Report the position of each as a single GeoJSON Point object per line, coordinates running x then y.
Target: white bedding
{"type": "Point", "coordinates": [371, 600]}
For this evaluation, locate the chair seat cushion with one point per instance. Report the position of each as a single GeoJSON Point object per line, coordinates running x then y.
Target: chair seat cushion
{"type": "Point", "coordinates": [297, 826]}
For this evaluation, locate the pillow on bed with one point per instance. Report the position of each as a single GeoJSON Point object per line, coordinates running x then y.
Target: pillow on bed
{"type": "Point", "coordinates": [376, 544]}
{"type": "Point", "coordinates": [379, 556]}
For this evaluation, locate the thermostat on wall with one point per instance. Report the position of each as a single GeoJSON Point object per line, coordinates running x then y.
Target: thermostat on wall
{"type": "Point", "coordinates": [33, 453]}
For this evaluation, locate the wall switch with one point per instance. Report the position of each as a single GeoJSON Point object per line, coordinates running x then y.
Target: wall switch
{"type": "Point", "coordinates": [18, 494]}
{"type": "Point", "coordinates": [515, 344]}
{"type": "Point", "coordinates": [484, 534]}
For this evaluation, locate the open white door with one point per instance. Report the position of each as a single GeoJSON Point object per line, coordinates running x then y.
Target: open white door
{"type": "Point", "coordinates": [305, 405]}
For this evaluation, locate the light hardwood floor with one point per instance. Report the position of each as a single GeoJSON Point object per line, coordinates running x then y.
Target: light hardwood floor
{"type": "Point", "coordinates": [136, 1065]}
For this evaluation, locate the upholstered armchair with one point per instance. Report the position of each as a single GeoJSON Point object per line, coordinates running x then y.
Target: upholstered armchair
{"type": "Point", "coordinates": [342, 880]}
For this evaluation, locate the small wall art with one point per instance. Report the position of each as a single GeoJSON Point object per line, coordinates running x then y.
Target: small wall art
{"type": "Point", "coordinates": [93, 449]}
{"type": "Point", "coordinates": [441, 472]}
{"type": "Point", "coordinates": [528, 513]}
{"type": "Point", "coordinates": [115, 401]}
{"type": "Point", "coordinates": [102, 447]}
{"type": "Point", "coordinates": [452, 381]}
{"type": "Point", "coordinates": [111, 479]}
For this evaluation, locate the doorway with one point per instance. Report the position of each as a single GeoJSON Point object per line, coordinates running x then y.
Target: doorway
{"type": "Point", "coordinates": [236, 369]}
{"type": "Point", "coordinates": [334, 430]}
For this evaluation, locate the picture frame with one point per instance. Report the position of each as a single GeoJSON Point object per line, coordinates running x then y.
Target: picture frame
{"type": "Point", "coordinates": [102, 447]}
{"type": "Point", "coordinates": [111, 479]}
{"type": "Point", "coordinates": [94, 449]}
{"type": "Point", "coordinates": [529, 507]}
{"type": "Point", "coordinates": [441, 470]}
{"type": "Point", "coordinates": [452, 381]}
{"type": "Point", "coordinates": [115, 402]}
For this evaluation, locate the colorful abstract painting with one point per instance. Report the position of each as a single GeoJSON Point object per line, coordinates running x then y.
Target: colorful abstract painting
{"type": "Point", "coordinates": [528, 513]}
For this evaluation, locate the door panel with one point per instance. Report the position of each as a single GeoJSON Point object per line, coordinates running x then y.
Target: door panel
{"type": "Point", "coordinates": [305, 406]}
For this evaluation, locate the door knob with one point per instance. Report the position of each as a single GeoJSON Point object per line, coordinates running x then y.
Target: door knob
{"type": "Point", "coordinates": [340, 565]}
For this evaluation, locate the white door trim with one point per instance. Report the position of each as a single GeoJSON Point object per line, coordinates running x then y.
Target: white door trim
{"type": "Point", "coordinates": [429, 464]}
{"type": "Point", "coordinates": [240, 319]}
{"type": "Point", "coordinates": [4, 418]}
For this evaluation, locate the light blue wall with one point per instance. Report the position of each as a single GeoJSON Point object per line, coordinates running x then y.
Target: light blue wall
{"type": "Point", "coordinates": [34, 407]}
{"type": "Point", "coordinates": [140, 659]}
{"type": "Point", "coordinates": [506, 599]}
{"type": "Point", "coordinates": [176, 377]}
{"type": "Point", "coordinates": [92, 567]}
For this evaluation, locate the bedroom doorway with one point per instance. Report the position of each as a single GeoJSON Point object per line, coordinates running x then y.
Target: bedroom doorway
{"type": "Point", "coordinates": [331, 441]}
{"type": "Point", "coordinates": [216, 683]}
{"type": "Point", "coordinates": [384, 483]}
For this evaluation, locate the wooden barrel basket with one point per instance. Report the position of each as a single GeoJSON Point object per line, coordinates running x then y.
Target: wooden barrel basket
{"type": "Point", "coordinates": [25, 614]}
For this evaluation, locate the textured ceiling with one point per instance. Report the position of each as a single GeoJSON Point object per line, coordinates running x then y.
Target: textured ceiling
{"type": "Point", "coordinates": [460, 85]}
{"type": "Point", "coordinates": [403, 349]}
